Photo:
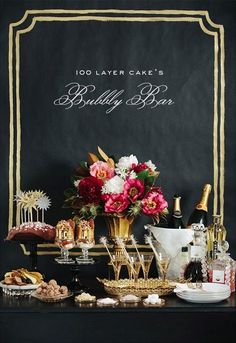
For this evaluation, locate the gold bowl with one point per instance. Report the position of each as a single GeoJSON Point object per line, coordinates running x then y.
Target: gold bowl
{"type": "Point", "coordinates": [140, 288]}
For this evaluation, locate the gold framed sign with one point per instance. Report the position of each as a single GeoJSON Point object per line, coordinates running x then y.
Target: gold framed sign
{"type": "Point", "coordinates": [33, 18]}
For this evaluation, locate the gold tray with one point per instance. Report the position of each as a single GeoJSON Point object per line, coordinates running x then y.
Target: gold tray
{"type": "Point", "coordinates": [140, 288]}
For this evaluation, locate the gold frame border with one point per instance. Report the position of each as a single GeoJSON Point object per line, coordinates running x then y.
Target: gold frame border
{"type": "Point", "coordinates": [190, 17]}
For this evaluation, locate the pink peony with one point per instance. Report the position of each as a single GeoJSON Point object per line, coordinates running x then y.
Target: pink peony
{"type": "Point", "coordinates": [90, 189]}
{"type": "Point", "coordinates": [101, 170]}
{"type": "Point", "coordinates": [154, 202]}
{"type": "Point", "coordinates": [116, 203]}
{"type": "Point", "coordinates": [133, 189]}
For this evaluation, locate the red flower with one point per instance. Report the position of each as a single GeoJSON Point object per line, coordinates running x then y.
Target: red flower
{"type": "Point", "coordinates": [116, 203]}
{"type": "Point", "coordinates": [154, 202]}
{"type": "Point", "coordinates": [133, 189]}
{"type": "Point", "coordinates": [90, 189]}
{"type": "Point", "coordinates": [137, 168]}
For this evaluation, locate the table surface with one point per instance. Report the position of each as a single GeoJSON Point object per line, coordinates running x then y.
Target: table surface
{"type": "Point", "coordinates": [173, 323]}
{"type": "Point", "coordinates": [12, 304]}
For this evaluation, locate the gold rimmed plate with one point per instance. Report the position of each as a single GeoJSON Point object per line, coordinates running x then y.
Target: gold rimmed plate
{"type": "Point", "coordinates": [102, 303]}
{"type": "Point", "coordinates": [125, 300]}
{"type": "Point", "coordinates": [148, 304]}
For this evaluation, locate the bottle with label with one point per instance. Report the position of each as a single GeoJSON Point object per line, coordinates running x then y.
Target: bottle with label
{"type": "Point", "coordinates": [199, 215]}
{"type": "Point", "coordinates": [196, 270]}
{"type": "Point", "coordinates": [216, 234]}
{"type": "Point", "coordinates": [176, 221]}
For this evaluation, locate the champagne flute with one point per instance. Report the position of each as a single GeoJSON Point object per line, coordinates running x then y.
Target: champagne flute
{"type": "Point", "coordinates": [134, 272]}
{"type": "Point", "coordinates": [163, 263]}
{"type": "Point", "coordinates": [116, 263]}
{"type": "Point", "coordinates": [146, 264]}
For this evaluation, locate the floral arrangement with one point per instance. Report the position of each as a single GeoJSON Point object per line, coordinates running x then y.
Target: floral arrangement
{"type": "Point", "coordinates": [104, 186]}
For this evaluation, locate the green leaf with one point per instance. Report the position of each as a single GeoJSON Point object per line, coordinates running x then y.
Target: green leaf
{"type": "Point", "coordinates": [143, 175]}
{"type": "Point", "coordinates": [73, 178]}
{"type": "Point", "coordinates": [70, 192]}
{"type": "Point", "coordinates": [150, 180]}
{"type": "Point", "coordinates": [84, 164]}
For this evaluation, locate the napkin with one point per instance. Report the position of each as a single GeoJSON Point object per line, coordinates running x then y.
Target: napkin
{"type": "Point", "coordinates": [171, 240]}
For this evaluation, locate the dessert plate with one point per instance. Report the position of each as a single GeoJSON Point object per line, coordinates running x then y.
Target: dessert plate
{"type": "Point", "coordinates": [17, 290]}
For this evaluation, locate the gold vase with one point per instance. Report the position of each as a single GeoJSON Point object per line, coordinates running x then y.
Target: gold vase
{"type": "Point", "coordinates": [119, 226]}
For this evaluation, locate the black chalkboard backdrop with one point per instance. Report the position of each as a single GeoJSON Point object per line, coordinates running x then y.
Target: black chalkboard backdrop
{"type": "Point", "coordinates": [167, 71]}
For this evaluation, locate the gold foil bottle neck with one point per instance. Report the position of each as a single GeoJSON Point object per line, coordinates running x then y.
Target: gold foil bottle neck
{"type": "Point", "coordinates": [176, 208]}
{"type": "Point", "coordinates": [202, 205]}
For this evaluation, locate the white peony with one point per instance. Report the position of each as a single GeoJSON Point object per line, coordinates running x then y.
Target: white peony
{"type": "Point", "coordinates": [113, 186]}
{"type": "Point", "coordinates": [150, 165]}
{"type": "Point", "coordinates": [126, 162]}
{"type": "Point", "coordinates": [132, 175]}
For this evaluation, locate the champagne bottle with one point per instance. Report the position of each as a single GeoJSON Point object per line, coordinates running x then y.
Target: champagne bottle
{"type": "Point", "coordinates": [199, 215]}
{"type": "Point", "coordinates": [176, 218]}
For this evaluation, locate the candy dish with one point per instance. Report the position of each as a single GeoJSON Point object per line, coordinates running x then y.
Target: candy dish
{"type": "Point", "coordinates": [55, 299]}
{"type": "Point", "coordinates": [153, 300]}
{"type": "Point", "coordinates": [147, 304]}
{"type": "Point", "coordinates": [15, 290]}
{"type": "Point", "coordinates": [103, 302]}
{"type": "Point", "coordinates": [85, 298]}
{"type": "Point", "coordinates": [130, 299]}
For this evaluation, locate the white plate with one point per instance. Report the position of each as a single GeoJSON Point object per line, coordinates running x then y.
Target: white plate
{"type": "Point", "coordinates": [208, 287]}
{"type": "Point", "coordinates": [204, 295]}
{"type": "Point", "coordinates": [221, 297]}
{"type": "Point", "coordinates": [203, 300]}
{"type": "Point", "coordinates": [18, 288]}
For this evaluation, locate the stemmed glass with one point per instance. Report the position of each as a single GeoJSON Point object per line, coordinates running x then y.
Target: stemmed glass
{"type": "Point", "coordinates": [146, 264]}
{"type": "Point", "coordinates": [85, 240]}
{"type": "Point", "coordinates": [65, 240]}
{"type": "Point", "coordinates": [163, 262]}
{"type": "Point", "coordinates": [84, 259]}
{"type": "Point", "coordinates": [136, 266]}
{"type": "Point", "coordinates": [116, 262]}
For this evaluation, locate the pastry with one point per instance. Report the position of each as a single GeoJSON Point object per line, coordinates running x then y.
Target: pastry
{"type": "Point", "coordinates": [22, 277]}
{"type": "Point", "coordinates": [51, 290]}
{"type": "Point", "coordinates": [32, 231]}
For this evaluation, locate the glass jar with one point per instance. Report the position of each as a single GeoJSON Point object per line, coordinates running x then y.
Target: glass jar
{"type": "Point", "coordinates": [222, 270]}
